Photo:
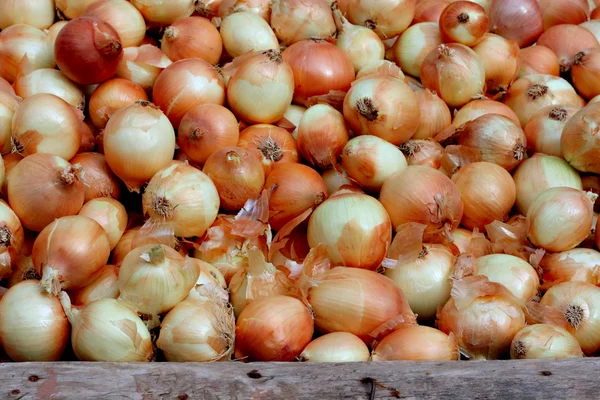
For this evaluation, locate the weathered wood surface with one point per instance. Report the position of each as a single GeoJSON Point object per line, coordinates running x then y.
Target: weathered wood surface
{"type": "Point", "coordinates": [567, 379]}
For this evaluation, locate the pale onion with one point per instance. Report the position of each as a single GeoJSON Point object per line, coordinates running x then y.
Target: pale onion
{"type": "Point", "coordinates": [246, 31]}
{"type": "Point", "coordinates": [110, 97]}
{"type": "Point", "coordinates": [110, 214]}
{"type": "Point", "coordinates": [272, 145]}
{"type": "Point", "coordinates": [49, 81]}
{"type": "Point", "coordinates": [69, 252]}
{"type": "Point", "coordinates": [37, 13]}
{"type": "Point", "coordinates": [357, 301]}
{"type": "Point", "coordinates": [192, 37]}
{"type": "Point", "coordinates": [156, 13]}
{"type": "Point", "coordinates": [560, 218]}
{"type": "Point", "coordinates": [33, 326]}
{"type": "Point", "coordinates": [154, 278]}
{"type": "Point", "coordinates": [382, 106]}
{"type": "Point", "coordinates": [584, 72]}
{"type": "Point", "coordinates": [463, 22]}
{"type": "Point", "coordinates": [369, 161]}
{"type": "Point", "coordinates": [336, 347]}
{"type": "Point", "coordinates": [209, 275]}
{"type": "Point", "coordinates": [104, 286]}
{"type": "Point", "coordinates": [71, 9]}
{"type": "Point", "coordinates": [355, 228]}
{"type": "Point", "coordinates": [54, 30]}
{"type": "Point", "coordinates": [387, 18]}
{"type": "Point", "coordinates": [429, 10]}
{"type": "Point", "coordinates": [291, 119]}
{"type": "Point", "coordinates": [426, 152]}
{"type": "Point", "coordinates": [417, 343]}
{"type": "Point", "coordinates": [539, 173]}
{"type": "Point", "coordinates": [142, 65]}
{"type": "Point", "coordinates": [383, 67]}
{"type": "Point", "coordinates": [11, 239]}
{"type": "Point", "coordinates": [476, 108]}
{"type": "Point", "coordinates": [208, 8]}
{"type": "Point", "coordinates": [544, 129]}
{"type": "Point", "coordinates": [335, 178]}
{"type": "Point", "coordinates": [538, 60]}
{"type": "Point", "coordinates": [44, 187]}
{"type": "Point", "coordinates": [18, 41]}
{"type": "Point", "coordinates": [297, 189]}
{"type": "Point", "coordinates": [571, 265]}
{"type": "Point", "coordinates": [107, 330]}
{"type": "Point", "coordinates": [455, 72]}
{"type": "Point", "coordinates": [296, 20]}
{"type": "Point", "coordinates": [414, 44]}
{"type": "Point", "coordinates": [199, 329]}
{"type": "Point", "coordinates": [186, 84]}
{"type": "Point", "coordinates": [566, 41]}
{"type": "Point", "coordinates": [8, 105]}
{"type": "Point", "coordinates": [579, 140]}
{"type": "Point", "coordinates": [518, 20]}
{"type": "Point", "coordinates": [227, 7]}
{"type": "Point", "coordinates": [275, 328]}
{"type": "Point", "coordinates": [237, 176]}
{"type": "Point", "coordinates": [261, 88]}
{"type": "Point", "coordinates": [483, 315]}
{"type": "Point", "coordinates": [593, 26]}
{"type": "Point", "coordinates": [487, 191]}
{"type": "Point", "coordinates": [322, 135]}
{"type": "Point", "coordinates": [362, 45]}
{"type": "Point", "coordinates": [123, 17]}
{"type": "Point", "coordinates": [517, 275]}
{"type": "Point", "coordinates": [500, 59]}
{"type": "Point", "coordinates": [124, 246]}
{"type": "Point", "coordinates": [100, 180]}
{"type": "Point", "coordinates": [540, 341]}
{"type": "Point", "coordinates": [471, 242]}
{"type": "Point", "coordinates": [557, 12]}
{"type": "Point", "coordinates": [139, 141]}
{"type": "Point", "coordinates": [434, 114]}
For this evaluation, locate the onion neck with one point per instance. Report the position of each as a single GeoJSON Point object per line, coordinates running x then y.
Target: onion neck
{"type": "Point", "coordinates": [50, 280]}
{"type": "Point", "coordinates": [170, 33]}
{"type": "Point", "coordinates": [270, 149]}
{"type": "Point", "coordinates": [536, 91]}
{"type": "Point", "coordinates": [156, 255]}
{"type": "Point", "coordinates": [71, 174]}
{"type": "Point", "coordinates": [366, 107]}
{"type": "Point", "coordinates": [107, 44]}
{"type": "Point", "coordinates": [409, 148]}
{"type": "Point", "coordinates": [5, 236]}
{"type": "Point", "coordinates": [71, 313]}
{"type": "Point", "coordinates": [574, 314]}
{"type": "Point", "coordinates": [558, 114]}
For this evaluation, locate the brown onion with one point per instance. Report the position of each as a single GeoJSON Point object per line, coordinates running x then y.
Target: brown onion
{"type": "Point", "coordinates": [579, 140]}
{"type": "Point", "coordinates": [566, 41]}
{"type": "Point", "coordinates": [518, 20]}
{"type": "Point", "coordinates": [538, 60]}
{"type": "Point", "coordinates": [414, 44]}
{"type": "Point", "coordinates": [544, 129]}
{"type": "Point", "coordinates": [417, 343]}
{"type": "Point", "coordinates": [100, 180]}
{"type": "Point", "coordinates": [272, 145]}
{"type": "Point", "coordinates": [557, 12]}
{"type": "Point", "coordinates": [388, 18]}
{"type": "Point", "coordinates": [500, 61]}
{"type": "Point", "coordinates": [434, 114]}
{"type": "Point", "coordinates": [426, 152]}
{"type": "Point", "coordinates": [110, 214]}
{"type": "Point", "coordinates": [111, 96]}
{"type": "Point", "coordinates": [104, 286]}
{"type": "Point", "coordinates": [463, 22]}
{"type": "Point", "coordinates": [192, 37]}
{"type": "Point", "coordinates": [584, 72]}
{"type": "Point", "coordinates": [142, 65]}
{"type": "Point", "coordinates": [296, 20]}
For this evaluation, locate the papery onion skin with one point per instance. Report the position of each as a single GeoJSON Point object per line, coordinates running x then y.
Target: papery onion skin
{"type": "Point", "coordinates": [476, 108]}
{"type": "Point", "coordinates": [518, 20]}
{"type": "Point", "coordinates": [110, 214]}
{"type": "Point", "coordinates": [110, 97]}
{"type": "Point", "coordinates": [384, 67]}
{"type": "Point", "coordinates": [49, 81]}
{"type": "Point", "coordinates": [237, 41]}
{"type": "Point", "coordinates": [12, 239]}
{"type": "Point", "coordinates": [571, 265]}
{"type": "Point", "coordinates": [275, 328]}
{"type": "Point", "coordinates": [103, 287]}
{"type": "Point", "coordinates": [100, 180]}
{"type": "Point", "coordinates": [336, 347]}
{"type": "Point", "coordinates": [335, 178]}
{"type": "Point", "coordinates": [296, 20]}
{"type": "Point", "coordinates": [514, 273]}
{"type": "Point", "coordinates": [414, 44]}
{"type": "Point", "coordinates": [362, 45]}
{"type": "Point", "coordinates": [272, 145]}
{"type": "Point", "coordinates": [544, 129]}
{"type": "Point", "coordinates": [387, 19]}
{"type": "Point", "coordinates": [123, 17]}
{"type": "Point", "coordinates": [192, 37]}
{"type": "Point", "coordinates": [541, 341]}
{"type": "Point", "coordinates": [142, 65]}
{"type": "Point", "coordinates": [463, 22]}
{"type": "Point", "coordinates": [33, 326]}
{"type": "Point", "coordinates": [566, 41]}
{"type": "Point", "coordinates": [579, 141]}
{"type": "Point", "coordinates": [18, 41]}
{"type": "Point", "coordinates": [37, 13]}
{"type": "Point", "coordinates": [539, 173]}
{"type": "Point", "coordinates": [155, 12]}
{"type": "Point", "coordinates": [559, 219]}
{"type": "Point", "coordinates": [584, 73]}
{"type": "Point", "coordinates": [417, 343]}
{"type": "Point", "coordinates": [538, 60]}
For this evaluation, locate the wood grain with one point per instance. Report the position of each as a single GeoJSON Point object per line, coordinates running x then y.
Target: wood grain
{"type": "Point", "coordinates": [539, 379]}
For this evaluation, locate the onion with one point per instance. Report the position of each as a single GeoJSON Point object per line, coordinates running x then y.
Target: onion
{"type": "Point", "coordinates": [579, 141]}
{"type": "Point", "coordinates": [566, 41]}
{"type": "Point", "coordinates": [259, 7]}
{"type": "Point", "coordinates": [33, 326]}
{"type": "Point", "coordinates": [414, 44]}
{"type": "Point", "coordinates": [291, 119]}
{"type": "Point", "coordinates": [138, 141]}
{"type": "Point", "coordinates": [476, 108]}
{"type": "Point", "coordinates": [142, 65]}
{"type": "Point", "coordinates": [186, 84]}
{"type": "Point", "coordinates": [544, 341]}
{"type": "Point", "coordinates": [11, 239]}
{"type": "Point", "coordinates": [123, 17]}
{"type": "Point", "coordinates": [6, 87]}
{"type": "Point", "coordinates": [544, 129]}
{"type": "Point", "coordinates": [518, 20]}
{"type": "Point", "coordinates": [275, 328]}
{"type": "Point", "coordinates": [261, 88]}
{"type": "Point", "coordinates": [192, 37]}
{"type": "Point", "coordinates": [238, 176]}
{"type": "Point", "coordinates": [37, 13]}
{"type": "Point", "coordinates": [515, 274]}
{"type": "Point", "coordinates": [23, 271]}
{"type": "Point", "coordinates": [362, 45]}
{"type": "Point", "coordinates": [471, 242]}
{"type": "Point", "coordinates": [463, 22]}
{"type": "Point", "coordinates": [417, 343]}
{"type": "Point", "coordinates": [155, 12]}
{"type": "Point", "coordinates": [570, 265]}
{"type": "Point", "coordinates": [71, 9]}
{"type": "Point", "coordinates": [100, 180]}
{"type": "Point", "coordinates": [297, 189]}
{"type": "Point", "coordinates": [199, 329]}
{"type": "Point", "coordinates": [103, 287]}
{"type": "Point", "coordinates": [560, 218]}
{"type": "Point", "coordinates": [423, 152]}
{"type": "Point", "coordinates": [44, 187]}
{"type": "Point", "coordinates": [529, 94]}
{"type": "Point", "coordinates": [557, 12]}
{"type": "Point", "coordinates": [584, 71]}
{"type": "Point", "coordinates": [319, 68]}
{"type": "Point", "coordinates": [381, 67]}
{"type": "Point", "coordinates": [434, 115]}
{"type": "Point", "coordinates": [8, 105]}
{"type": "Point", "coordinates": [88, 50]}
{"type": "Point", "coordinates": [593, 26]}
{"type": "Point", "coordinates": [429, 10]}
{"type": "Point", "coordinates": [538, 60]}
{"type": "Point", "coordinates": [382, 106]}
{"type": "Point", "coordinates": [500, 59]}
{"type": "Point", "coordinates": [322, 135]}
{"type": "Point", "coordinates": [355, 228]}
{"type": "Point", "coordinates": [19, 41]}
{"type": "Point", "coordinates": [296, 20]}
{"type": "Point", "coordinates": [208, 8]}
{"type": "Point", "coordinates": [209, 275]}
{"type": "Point", "coordinates": [246, 31]}
{"type": "Point", "coordinates": [539, 173]}
{"type": "Point", "coordinates": [107, 330]}
{"type": "Point", "coordinates": [455, 72]}
{"type": "Point", "coordinates": [183, 198]}
{"type": "Point", "coordinates": [336, 347]}
{"type": "Point", "coordinates": [110, 97]}
{"type": "Point", "coordinates": [124, 246]}
{"type": "Point", "coordinates": [272, 145]}
{"type": "Point", "coordinates": [388, 18]}
{"type": "Point", "coordinates": [9, 161]}
{"type": "Point", "coordinates": [110, 214]}
{"type": "Point", "coordinates": [49, 81]}
{"type": "Point", "coordinates": [335, 178]}
{"type": "Point", "coordinates": [357, 301]}
{"type": "Point", "coordinates": [488, 193]}
{"type": "Point", "coordinates": [483, 315]}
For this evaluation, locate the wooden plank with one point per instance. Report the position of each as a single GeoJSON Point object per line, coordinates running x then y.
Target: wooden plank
{"type": "Point", "coordinates": [539, 379]}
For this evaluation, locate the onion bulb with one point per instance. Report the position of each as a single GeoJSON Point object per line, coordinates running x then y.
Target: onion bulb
{"type": "Point", "coordinates": [296, 20]}
{"type": "Point", "coordinates": [275, 328]}
{"type": "Point", "coordinates": [518, 20]}
{"type": "Point", "coordinates": [558, 12]}
{"type": "Point", "coordinates": [414, 44]}
{"type": "Point", "coordinates": [517, 275]}
{"type": "Point", "coordinates": [105, 286]}
{"type": "Point", "coordinates": [291, 119]}
{"type": "Point", "coordinates": [8, 105]}
{"type": "Point", "coordinates": [362, 45]}
{"type": "Point", "coordinates": [544, 129]}
{"type": "Point", "coordinates": [12, 239]}
{"type": "Point", "coordinates": [50, 81]}
{"type": "Point", "coordinates": [434, 114]}
{"type": "Point", "coordinates": [155, 12]}
{"type": "Point", "coordinates": [463, 22]}
{"type": "Point", "coordinates": [500, 59]}
{"type": "Point", "coordinates": [335, 178]}
{"type": "Point", "coordinates": [584, 72]}
{"type": "Point", "coordinates": [336, 347]}
{"type": "Point", "coordinates": [544, 341]}
{"type": "Point", "coordinates": [476, 108]}
{"type": "Point", "coordinates": [426, 152]}
{"type": "Point", "coordinates": [383, 67]}
{"type": "Point", "coordinates": [417, 343]}
{"type": "Point", "coordinates": [387, 18]}
{"type": "Point", "coordinates": [192, 37]}
{"type": "Point", "coordinates": [209, 275]}
{"type": "Point", "coordinates": [24, 41]}
{"type": "Point", "coordinates": [429, 11]}
{"type": "Point", "coordinates": [33, 326]}
{"type": "Point", "coordinates": [566, 41]}
{"type": "Point", "coordinates": [272, 145]}
{"type": "Point", "coordinates": [123, 17]}
{"type": "Point", "coordinates": [100, 180]}
{"type": "Point", "coordinates": [37, 13]}
{"type": "Point", "coordinates": [579, 141]}
{"type": "Point", "coordinates": [110, 214]}
{"type": "Point", "coordinates": [110, 97]}
{"type": "Point", "coordinates": [245, 31]}
{"type": "Point", "coordinates": [538, 60]}
{"type": "Point", "coordinates": [571, 265]}
{"type": "Point", "coordinates": [142, 65]}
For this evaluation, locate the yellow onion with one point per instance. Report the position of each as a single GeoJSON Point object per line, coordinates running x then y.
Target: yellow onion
{"type": "Point", "coordinates": [463, 22]}
{"type": "Point", "coordinates": [125, 245]}
{"type": "Point", "coordinates": [475, 109]}
{"type": "Point", "coordinates": [560, 218]}
{"type": "Point", "coordinates": [515, 274]}
{"type": "Point", "coordinates": [245, 31]}
{"type": "Point", "coordinates": [24, 41]}
{"type": "Point", "coordinates": [50, 81]}
{"type": "Point", "coordinates": [111, 96]}
{"type": "Point", "coordinates": [335, 178]}
{"type": "Point", "coordinates": [417, 343]}
{"type": "Point", "coordinates": [387, 18]}
{"type": "Point", "coordinates": [566, 41]}
{"type": "Point", "coordinates": [291, 119]}
{"type": "Point", "coordinates": [199, 329]}
{"type": "Point", "coordinates": [544, 341]}
{"type": "Point", "coordinates": [107, 330]}
{"type": "Point", "coordinates": [110, 214]}
{"type": "Point", "coordinates": [544, 129]}
{"type": "Point", "coordinates": [210, 275]}
{"type": "Point", "coordinates": [38, 13]}
{"type": "Point", "coordinates": [571, 265]}
{"type": "Point", "coordinates": [426, 152]}
{"type": "Point", "coordinates": [336, 347]}
{"type": "Point", "coordinates": [500, 59]}
{"type": "Point", "coordinates": [155, 12]}
{"type": "Point", "coordinates": [104, 286]}
{"type": "Point", "coordinates": [142, 65]}
{"type": "Point", "coordinates": [296, 20]}
{"type": "Point", "coordinates": [183, 198]}
{"type": "Point", "coordinates": [123, 17]}
{"type": "Point", "coordinates": [434, 116]}
{"type": "Point", "coordinates": [275, 328]}
{"type": "Point", "coordinates": [579, 142]}
{"type": "Point", "coordinates": [362, 45]}
{"type": "Point", "coordinates": [8, 105]}
{"type": "Point", "coordinates": [228, 7]}
{"type": "Point", "coordinates": [33, 326]}
{"type": "Point", "coordinates": [272, 145]}
{"type": "Point", "coordinates": [12, 239]}
{"type": "Point", "coordinates": [471, 242]}
{"type": "Point", "coordinates": [538, 60]}
{"type": "Point", "coordinates": [192, 37]}
{"type": "Point", "coordinates": [539, 173]}
{"type": "Point", "coordinates": [414, 44]}
{"type": "Point", "coordinates": [100, 180]}
{"type": "Point", "coordinates": [23, 271]}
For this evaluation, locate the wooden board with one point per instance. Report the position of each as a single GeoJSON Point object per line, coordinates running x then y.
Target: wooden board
{"type": "Point", "coordinates": [571, 379]}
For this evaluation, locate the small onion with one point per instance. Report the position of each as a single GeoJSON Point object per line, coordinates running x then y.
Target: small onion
{"type": "Point", "coordinates": [104, 286]}
{"type": "Point", "coordinates": [434, 114]}
{"type": "Point", "coordinates": [272, 145]}
{"type": "Point", "coordinates": [566, 41]}
{"type": "Point", "coordinates": [296, 20]}
{"type": "Point", "coordinates": [417, 343]}
{"type": "Point", "coordinates": [291, 119]}
{"type": "Point", "coordinates": [544, 341]}
{"type": "Point", "coordinates": [538, 60]}
{"type": "Point", "coordinates": [362, 45]}
{"type": "Point", "coordinates": [142, 65]}
{"type": "Point", "coordinates": [123, 17]}
{"type": "Point", "coordinates": [514, 273]}
{"type": "Point", "coordinates": [110, 97]}
{"type": "Point", "coordinates": [387, 18]}
{"type": "Point", "coordinates": [579, 140]}
{"type": "Point", "coordinates": [336, 347]}
{"type": "Point", "coordinates": [37, 13]}
{"type": "Point", "coordinates": [192, 37]}
{"type": "Point", "coordinates": [544, 129]}
{"type": "Point", "coordinates": [518, 20]}
{"type": "Point", "coordinates": [245, 31]}
{"type": "Point", "coordinates": [500, 59]}
{"type": "Point", "coordinates": [463, 22]}
{"type": "Point", "coordinates": [50, 81]}
{"type": "Point", "coordinates": [571, 265]}
{"type": "Point", "coordinates": [414, 44]}
{"type": "Point", "coordinates": [155, 12]}
{"type": "Point", "coordinates": [100, 180]}
{"type": "Point", "coordinates": [110, 214]}
{"type": "Point", "coordinates": [423, 152]}
{"type": "Point", "coordinates": [9, 161]}
{"type": "Point", "coordinates": [19, 41]}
